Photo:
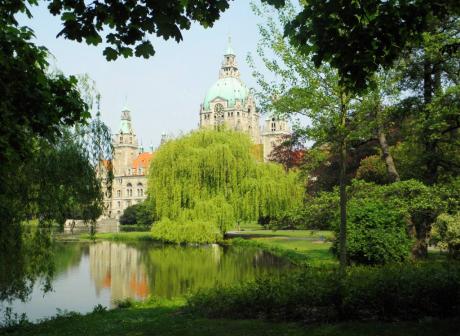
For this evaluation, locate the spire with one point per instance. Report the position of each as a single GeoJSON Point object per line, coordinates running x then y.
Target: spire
{"type": "Point", "coordinates": [229, 66]}
{"type": "Point", "coordinates": [229, 50]}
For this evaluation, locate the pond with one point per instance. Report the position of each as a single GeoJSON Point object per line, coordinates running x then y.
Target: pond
{"type": "Point", "coordinates": [87, 274]}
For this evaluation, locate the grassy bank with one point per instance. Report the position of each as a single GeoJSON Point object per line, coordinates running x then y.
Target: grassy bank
{"type": "Point", "coordinates": [169, 319]}
{"type": "Point", "coordinates": [120, 236]}
{"type": "Point", "coordinates": [299, 246]}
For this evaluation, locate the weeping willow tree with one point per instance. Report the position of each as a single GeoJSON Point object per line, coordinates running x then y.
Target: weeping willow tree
{"type": "Point", "coordinates": [204, 183]}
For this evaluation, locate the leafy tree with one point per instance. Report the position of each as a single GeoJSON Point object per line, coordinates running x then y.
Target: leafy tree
{"type": "Point", "coordinates": [125, 25]}
{"type": "Point", "coordinates": [129, 216]}
{"type": "Point", "coordinates": [209, 181]}
{"type": "Point", "coordinates": [429, 115]}
{"type": "Point", "coordinates": [306, 90]}
{"type": "Point", "coordinates": [289, 152]}
{"type": "Point", "coordinates": [358, 37]}
{"type": "Point", "coordinates": [321, 163]}
{"type": "Point", "coordinates": [137, 214]}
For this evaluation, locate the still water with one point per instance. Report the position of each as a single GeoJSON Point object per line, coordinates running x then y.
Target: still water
{"type": "Point", "coordinates": [86, 275]}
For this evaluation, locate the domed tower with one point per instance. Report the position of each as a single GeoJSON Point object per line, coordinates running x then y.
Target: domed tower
{"type": "Point", "coordinates": [229, 102]}
{"type": "Point", "coordinates": [125, 145]}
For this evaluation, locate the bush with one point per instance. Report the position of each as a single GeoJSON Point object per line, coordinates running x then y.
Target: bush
{"type": "Point", "coordinates": [390, 292]}
{"type": "Point", "coordinates": [376, 233]}
{"type": "Point", "coordinates": [317, 213]}
{"type": "Point", "coordinates": [446, 233]}
{"type": "Point", "coordinates": [129, 216]}
{"type": "Point", "coordinates": [373, 169]}
{"type": "Point", "coordinates": [419, 202]}
{"type": "Point", "coordinates": [137, 214]}
{"type": "Point", "coordinates": [321, 211]}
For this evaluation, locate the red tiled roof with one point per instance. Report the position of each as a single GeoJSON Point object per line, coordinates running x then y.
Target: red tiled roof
{"type": "Point", "coordinates": [143, 160]}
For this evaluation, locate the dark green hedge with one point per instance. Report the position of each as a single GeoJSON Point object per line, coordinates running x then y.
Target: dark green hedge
{"type": "Point", "coordinates": [391, 292]}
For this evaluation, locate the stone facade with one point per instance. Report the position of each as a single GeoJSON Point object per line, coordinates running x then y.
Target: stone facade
{"type": "Point", "coordinates": [130, 169]}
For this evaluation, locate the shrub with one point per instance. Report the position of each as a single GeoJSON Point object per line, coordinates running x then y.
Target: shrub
{"type": "Point", "coordinates": [376, 233]}
{"type": "Point", "coordinates": [137, 214]}
{"type": "Point", "coordinates": [129, 216]}
{"type": "Point", "coordinates": [446, 233]}
{"type": "Point", "coordinates": [373, 169]}
{"type": "Point", "coordinates": [419, 202]}
{"type": "Point", "coordinates": [390, 292]}
{"type": "Point", "coordinates": [320, 211]}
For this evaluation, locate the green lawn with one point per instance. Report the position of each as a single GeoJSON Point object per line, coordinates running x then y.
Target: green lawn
{"type": "Point", "coordinates": [287, 233]}
{"type": "Point", "coordinates": [168, 319]}
{"type": "Point", "coordinates": [309, 245]}
{"type": "Point", "coordinates": [315, 252]}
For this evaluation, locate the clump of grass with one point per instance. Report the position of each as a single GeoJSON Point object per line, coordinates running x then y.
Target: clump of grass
{"type": "Point", "coordinates": [124, 303]}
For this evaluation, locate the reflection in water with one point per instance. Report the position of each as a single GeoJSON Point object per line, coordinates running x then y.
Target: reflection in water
{"type": "Point", "coordinates": [118, 267]}
{"type": "Point", "coordinates": [89, 274]}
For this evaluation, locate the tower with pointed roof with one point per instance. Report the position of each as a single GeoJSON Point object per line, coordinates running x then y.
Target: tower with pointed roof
{"type": "Point", "coordinates": [125, 144]}
{"type": "Point", "coordinates": [229, 102]}
{"type": "Point", "coordinates": [129, 165]}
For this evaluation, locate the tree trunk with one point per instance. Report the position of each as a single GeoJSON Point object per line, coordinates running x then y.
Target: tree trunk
{"type": "Point", "coordinates": [343, 191]}
{"type": "Point", "coordinates": [386, 155]}
{"type": "Point", "coordinates": [430, 145]}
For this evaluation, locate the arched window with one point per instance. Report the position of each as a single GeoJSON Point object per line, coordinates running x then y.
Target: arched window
{"type": "Point", "coordinates": [118, 193]}
{"type": "Point", "coordinates": [129, 187]}
{"type": "Point", "coordinates": [140, 189]}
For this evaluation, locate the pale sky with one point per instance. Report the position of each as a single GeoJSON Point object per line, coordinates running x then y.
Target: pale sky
{"type": "Point", "coordinates": [164, 92]}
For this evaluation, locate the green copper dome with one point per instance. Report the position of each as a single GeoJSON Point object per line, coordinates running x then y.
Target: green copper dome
{"type": "Point", "coordinates": [230, 89]}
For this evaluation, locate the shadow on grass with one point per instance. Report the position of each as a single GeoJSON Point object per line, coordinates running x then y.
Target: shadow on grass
{"type": "Point", "coordinates": [171, 320]}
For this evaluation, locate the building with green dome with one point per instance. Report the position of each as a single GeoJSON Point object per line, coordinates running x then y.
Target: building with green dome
{"type": "Point", "coordinates": [229, 102]}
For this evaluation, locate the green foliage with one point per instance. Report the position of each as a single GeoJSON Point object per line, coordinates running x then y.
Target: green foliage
{"type": "Point", "coordinates": [420, 203]}
{"type": "Point", "coordinates": [446, 233]}
{"type": "Point", "coordinates": [449, 192]}
{"type": "Point", "coordinates": [376, 233]}
{"type": "Point", "coordinates": [137, 214]}
{"type": "Point", "coordinates": [211, 178]}
{"type": "Point", "coordinates": [316, 213]}
{"type": "Point", "coordinates": [186, 231]}
{"type": "Point", "coordinates": [372, 169]}
{"type": "Point", "coordinates": [357, 38]}
{"type": "Point", "coordinates": [129, 216]}
{"type": "Point", "coordinates": [25, 262]}
{"type": "Point", "coordinates": [321, 211]}
{"type": "Point", "coordinates": [391, 292]}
